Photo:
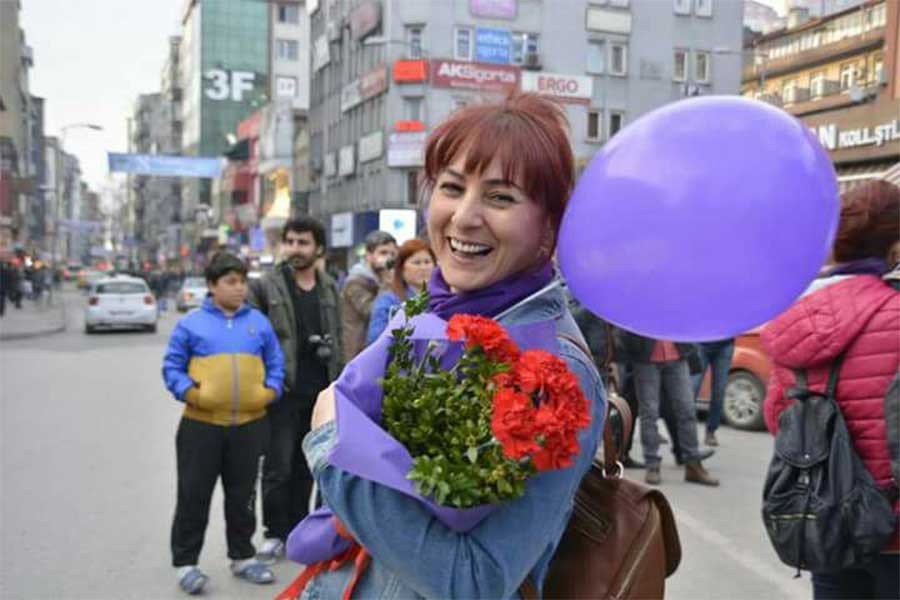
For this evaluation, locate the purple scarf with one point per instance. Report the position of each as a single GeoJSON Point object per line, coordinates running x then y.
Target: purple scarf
{"type": "Point", "coordinates": [863, 266]}
{"type": "Point", "coordinates": [488, 301]}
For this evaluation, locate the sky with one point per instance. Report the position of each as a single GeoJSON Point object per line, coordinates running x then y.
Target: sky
{"type": "Point", "coordinates": [93, 57]}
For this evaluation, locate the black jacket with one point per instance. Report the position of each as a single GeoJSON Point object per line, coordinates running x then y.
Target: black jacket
{"type": "Point", "coordinates": [631, 347]}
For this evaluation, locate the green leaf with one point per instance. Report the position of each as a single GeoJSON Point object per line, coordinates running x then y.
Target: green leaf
{"type": "Point", "coordinates": [472, 454]}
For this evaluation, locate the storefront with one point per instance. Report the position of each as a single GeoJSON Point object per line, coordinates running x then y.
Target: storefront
{"type": "Point", "coordinates": [863, 140]}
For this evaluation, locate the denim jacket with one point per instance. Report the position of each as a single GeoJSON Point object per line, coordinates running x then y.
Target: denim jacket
{"type": "Point", "coordinates": [413, 554]}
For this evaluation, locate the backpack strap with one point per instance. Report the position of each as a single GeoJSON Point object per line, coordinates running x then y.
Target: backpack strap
{"type": "Point", "coordinates": [801, 390]}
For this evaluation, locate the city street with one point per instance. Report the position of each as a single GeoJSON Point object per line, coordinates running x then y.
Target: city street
{"type": "Point", "coordinates": [88, 469]}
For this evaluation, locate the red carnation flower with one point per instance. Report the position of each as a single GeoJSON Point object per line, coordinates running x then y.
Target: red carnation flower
{"type": "Point", "coordinates": [485, 333]}
{"type": "Point", "coordinates": [512, 423]}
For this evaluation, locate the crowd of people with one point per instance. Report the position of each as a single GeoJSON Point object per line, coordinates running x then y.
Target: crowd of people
{"type": "Point", "coordinates": [25, 278]}
{"type": "Point", "coordinates": [254, 365]}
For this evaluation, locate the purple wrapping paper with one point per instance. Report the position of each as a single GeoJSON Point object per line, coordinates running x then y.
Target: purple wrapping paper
{"type": "Point", "coordinates": [364, 449]}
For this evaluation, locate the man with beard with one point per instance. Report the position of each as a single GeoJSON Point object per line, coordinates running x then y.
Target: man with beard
{"type": "Point", "coordinates": [301, 301]}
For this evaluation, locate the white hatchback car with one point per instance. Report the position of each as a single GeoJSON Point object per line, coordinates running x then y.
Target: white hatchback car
{"type": "Point", "coordinates": [120, 302]}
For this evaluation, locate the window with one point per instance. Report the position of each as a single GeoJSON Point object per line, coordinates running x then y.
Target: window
{"type": "Point", "coordinates": [412, 108]}
{"type": "Point", "coordinates": [462, 47]}
{"type": "Point", "coordinates": [701, 67]}
{"type": "Point", "coordinates": [616, 121]}
{"type": "Point", "coordinates": [847, 76]}
{"type": "Point", "coordinates": [414, 41]}
{"type": "Point", "coordinates": [680, 71]}
{"type": "Point", "coordinates": [789, 90]}
{"type": "Point", "coordinates": [878, 70]}
{"type": "Point", "coordinates": [122, 287]}
{"type": "Point", "coordinates": [287, 49]}
{"type": "Point", "coordinates": [817, 84]}
{"type": "Point", "coordinates": [288, 13]}
{"type": "Point", "coordinates": [593, 125]}
{"type": "Point", "coordinates": [522, 44]}
{"type": "Point", "coordinates": [286, 87]}
{"type": "Point", "coordinates": [681, 7]}
{"type": "Point", "coordinates": [703, 8]}
{"type": "Point", "coordinates": [618, 59]}
{"type": "Point", "coordinates": [596, 57]}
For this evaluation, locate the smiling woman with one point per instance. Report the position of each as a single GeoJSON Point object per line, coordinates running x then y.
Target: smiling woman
{"type": "Point", "coordinates": [498, 177]}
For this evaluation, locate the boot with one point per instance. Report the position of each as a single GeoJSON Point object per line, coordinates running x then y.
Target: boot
{"type": "Point", "coordinates": [695, 473]}
{"type": "Point", "coordinates": [652, 476]}
{"type": "Point", "coordinates": [630, 463]}
{"type": "Point", "coordinates": [701, 455]}
{"type": "Point", "coordinates": [711, 439]}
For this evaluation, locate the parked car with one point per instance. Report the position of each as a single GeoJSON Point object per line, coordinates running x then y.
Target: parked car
{"type": "Point", "coordinates": [747, 383]}
{"type": "Point", "coordinates": [191, 294]}
{"type": "Point", "coordinates": [120, 303]}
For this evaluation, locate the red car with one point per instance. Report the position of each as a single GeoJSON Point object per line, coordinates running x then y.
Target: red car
{"type": "Point", "coordinates": [747, 383]}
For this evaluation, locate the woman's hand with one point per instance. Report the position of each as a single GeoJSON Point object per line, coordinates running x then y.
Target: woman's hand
{"type": "Point", "coordinates": [323, 411]}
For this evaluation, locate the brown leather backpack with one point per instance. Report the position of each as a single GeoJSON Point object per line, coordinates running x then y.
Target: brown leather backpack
{"type": "Point", "coordinates": [621, 540]}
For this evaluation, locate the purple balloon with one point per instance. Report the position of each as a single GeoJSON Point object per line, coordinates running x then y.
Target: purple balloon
{"type": "Point", "coordinates": [700, 220]}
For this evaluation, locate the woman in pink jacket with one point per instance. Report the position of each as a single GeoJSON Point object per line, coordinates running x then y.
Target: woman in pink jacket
{"type": "Point", "coordinates": [855, 312]}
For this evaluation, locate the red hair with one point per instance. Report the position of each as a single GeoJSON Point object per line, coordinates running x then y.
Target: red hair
{"type": "Point", "coordinates": [526, 133]}
{"type": "Point", "coordinates": [406, 250]}
{"type": "Point", "coordinates": [870, 222]}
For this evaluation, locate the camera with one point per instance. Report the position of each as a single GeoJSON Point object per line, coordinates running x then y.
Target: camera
{"type": "Point", "coordinates": [321, 345]}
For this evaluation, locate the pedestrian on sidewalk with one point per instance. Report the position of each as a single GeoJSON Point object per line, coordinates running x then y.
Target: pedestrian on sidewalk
{"type": "Point", "coordinates": [361, 287]}
{"type": "Point", "coordinates": [225, 364]}
{"type": "Point", "coordinates": [301, 301]}
{"type": "Point", "coordinates": [852, 313]}
{"type": "Point", "coordinates": [661, 367]}
{"type": "Point", "coordinates": [716, 356]}
{"type": "Point", "coordinates": [411, 272]}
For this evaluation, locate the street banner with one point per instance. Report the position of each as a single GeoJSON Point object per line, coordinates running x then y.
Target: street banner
{"type": "Point", "coordinates": [165, 165]}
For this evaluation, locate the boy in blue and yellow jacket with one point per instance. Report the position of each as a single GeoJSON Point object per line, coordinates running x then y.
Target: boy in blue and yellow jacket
{"type": "Point", "coordinates": [224, 362]}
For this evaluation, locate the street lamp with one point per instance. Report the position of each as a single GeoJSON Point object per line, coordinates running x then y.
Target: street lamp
{"type": "Point", "coordinates": [64, 130]}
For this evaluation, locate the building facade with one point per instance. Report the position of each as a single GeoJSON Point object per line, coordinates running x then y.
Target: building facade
{"type": "Point", "coordinates": [224, 72]}
{"type": "Point", "coordinates": [16, 167]}
{"type": "Point", "coordinates": [838, 73]}
{"type": "Point", "coordinates": [384, 73]}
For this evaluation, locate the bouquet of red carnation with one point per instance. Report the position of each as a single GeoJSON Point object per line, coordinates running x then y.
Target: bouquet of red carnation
{"type": "Point", "coordinates": [451, 413]}
{"type": "Point", "coordinates": [478, 430]}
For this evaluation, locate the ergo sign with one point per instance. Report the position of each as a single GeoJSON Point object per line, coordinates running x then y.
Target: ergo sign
{"type": "Point", "coordinates": [572, 88]}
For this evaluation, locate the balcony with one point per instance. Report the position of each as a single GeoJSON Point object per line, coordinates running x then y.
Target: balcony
{"type": "Point", "coordinates": [814, 57]}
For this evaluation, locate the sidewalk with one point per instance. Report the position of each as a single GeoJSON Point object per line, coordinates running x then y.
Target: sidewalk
{"type": "Point", "coordinates": [33, 319]}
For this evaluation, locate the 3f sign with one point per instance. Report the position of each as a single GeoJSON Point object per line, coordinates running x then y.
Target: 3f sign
{"type": "Point", "coordinates": [225, 84]}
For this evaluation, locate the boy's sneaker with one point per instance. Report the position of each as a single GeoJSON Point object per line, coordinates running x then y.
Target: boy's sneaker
{"type": "Point", "coordinates": [271, 550]}
{"type": "Point", "coordinates": [253, 571]}
{"type": "Point", "coordinates": [191, 580]}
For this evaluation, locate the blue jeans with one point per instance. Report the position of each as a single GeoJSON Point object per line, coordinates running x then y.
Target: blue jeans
{"type": "Point", "coordinates": [880, 579]}
{"type": "Point", "coordinates": [718, 355]}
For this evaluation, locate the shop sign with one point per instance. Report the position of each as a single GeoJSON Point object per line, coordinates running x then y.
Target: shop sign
{"type": "Point", "coordinates": [350, 96]}
{"type": "Point", "coordinates": [834, 139]}
{"type": "Point", "coordinates": [286, 87]}
{"type": "Point", "coordinates": [406, 149]}
{"type": "Point", "coordinates": [474, 76]}
{"type": "Point", "coordinates": [410, 71]}
{"type": "Point", "coordinates": [409, 125]}
{"type": "Point", "coordinates": [228, 85]}
{"type": "Point", "coordinates": [330, 165]}
{"type": "Point", "coordinates": [493, 45]}
{"type": "Point", "coordinates": [364, 19]}
{"type": "Point", "coordinates": [571, 88]}
{"type": "Point", "coordinates": [342, 230]}
{"type": "Point", "coordinates": [370, 146]}
{"type": "Point", "coordinates": [400, 223]}
{"type": "Point", "coordinates": [373, 83]}
{"type": "Point", "coordinates": [346, 163]}
{"type": "Point", "coordinates": [321, 55]}
{"type": "Point", "coordinates": [608, 21]}
{"type": "Point", "coordinates": [493, 9]}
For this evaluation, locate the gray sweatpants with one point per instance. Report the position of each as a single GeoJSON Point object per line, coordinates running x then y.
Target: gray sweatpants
{"type": "Point", "coordinates": [674, 377]}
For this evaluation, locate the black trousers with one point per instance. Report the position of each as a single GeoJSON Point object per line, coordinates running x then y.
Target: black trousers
{"type": "Point", "coordinates": [205, 452]}
{"type": "Point", "coordinates": [286, 480]}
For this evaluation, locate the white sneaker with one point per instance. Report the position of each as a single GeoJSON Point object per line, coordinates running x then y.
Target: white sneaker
{"type": "Point", "coordinates": [271, 550]}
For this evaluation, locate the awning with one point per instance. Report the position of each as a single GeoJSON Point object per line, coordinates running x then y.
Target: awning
{"type": "Point", "coordinates": [892, 175]}
{"type": "Point", "coordinates": [852, 176]}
